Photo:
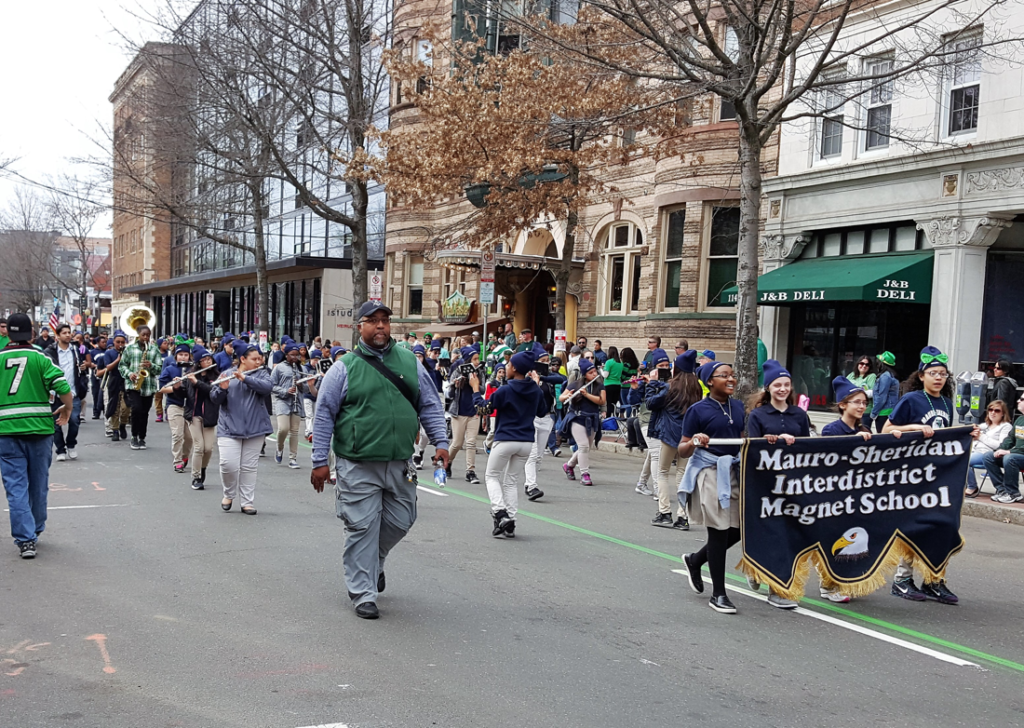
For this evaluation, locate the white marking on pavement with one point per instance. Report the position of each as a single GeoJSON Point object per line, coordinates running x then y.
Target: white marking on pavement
{"type": "Point", "coordinates": [432, 492]}
{"type": "Point", "coordinates": [648, 662]}
{"type": "Point", "coordinates": [68, 508]}
{"type": "Point", "coordinates": [327, 725]}
{"type": "Point", "coordinates": [858, 628]}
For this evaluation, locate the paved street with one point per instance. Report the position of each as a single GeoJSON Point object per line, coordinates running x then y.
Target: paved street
{"type": "Point", "coordinates": [149, 606]}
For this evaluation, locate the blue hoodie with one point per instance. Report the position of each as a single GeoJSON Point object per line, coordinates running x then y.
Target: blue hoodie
{"type": "Point", "coordinates": [515, 406]}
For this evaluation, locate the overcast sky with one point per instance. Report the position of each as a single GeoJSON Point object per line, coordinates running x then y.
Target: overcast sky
{"type": "Point", "coordinates": [60, 59]}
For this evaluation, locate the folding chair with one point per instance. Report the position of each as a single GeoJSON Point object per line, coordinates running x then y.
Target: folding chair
{"type": "Point", "coordinates": [623, 413]}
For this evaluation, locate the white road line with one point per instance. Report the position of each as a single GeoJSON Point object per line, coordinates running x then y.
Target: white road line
{"type": "Point", "coordinates": [68, 508]}
{"type": "Point", "coordinates": [858, 628]}
{"type": "Point", "coordinates": [328, 725]}
{"type": "Point", "coordinates": [432, 492]}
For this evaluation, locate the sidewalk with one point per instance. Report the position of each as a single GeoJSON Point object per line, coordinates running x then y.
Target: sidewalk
{"type": "Point", "coordinates": [980, 507]}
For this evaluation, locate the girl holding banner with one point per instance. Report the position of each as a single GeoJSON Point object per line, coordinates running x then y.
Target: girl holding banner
{"type": "Point", "coordinates": [928, 406]}
{"type": "Point", "coordinates": [713, 469]}
{"type": "Point", "coordinates": [775, 416]}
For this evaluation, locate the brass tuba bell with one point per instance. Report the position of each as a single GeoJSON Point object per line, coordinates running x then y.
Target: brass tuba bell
{"type": "Point", "coordinates": [134, 318]}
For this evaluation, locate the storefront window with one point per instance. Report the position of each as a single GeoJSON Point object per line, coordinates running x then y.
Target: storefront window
{"type": "Point", "coordinates": [723, 247]}
{"type": "Point", "coordinates": [1002, 325]}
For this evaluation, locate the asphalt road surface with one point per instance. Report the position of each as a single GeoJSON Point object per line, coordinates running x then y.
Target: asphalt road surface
{"type": "Point", "coordinates": [149, 606]}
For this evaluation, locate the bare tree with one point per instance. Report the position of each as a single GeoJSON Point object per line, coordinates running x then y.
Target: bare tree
{"type": "Point", "coordinates": [27, 238]}
{"type": "Point", "coordinates": [770, 62]}
{"type": "Point", "coordinates": [75, 205]}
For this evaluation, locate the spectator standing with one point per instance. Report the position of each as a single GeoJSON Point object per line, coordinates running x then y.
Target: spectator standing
{"type": "Point", "coordinates": [612, 377]}
{"type": "Point", "coordinates": [1004, 387]}
{"type": "Point", "coordinates": [653, 343]}
{"type": "Point", "coordinates": [64, 354]}
{"type": "Point", "coordinates": [887, 390]}
{"type": "Point", "coordinates": [600, 355]}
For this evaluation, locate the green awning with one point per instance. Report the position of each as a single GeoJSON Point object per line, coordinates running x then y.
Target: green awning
{"type": "Point", "coordinates": [892, 277]}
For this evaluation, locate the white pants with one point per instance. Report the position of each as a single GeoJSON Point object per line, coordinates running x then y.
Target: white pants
{"type": "Point", "coordinates": [506, 461]}
{"type": "Point", "coordinates": [309, 407]}
{"type": "Point", "coordinates": [181, 437]}
{"type": "Point", "coordinates": [583, 446]}
{"type": "Point", "coordinates": [652, 462]}
{"type": "Point", "coordinates": [238, 461]}
{"type": "Point", "coordinates": [665, 457]}
{"type": "Point", "coordinates": [542, 430]}
{"type": "Point", "coordinates": [464, 430]}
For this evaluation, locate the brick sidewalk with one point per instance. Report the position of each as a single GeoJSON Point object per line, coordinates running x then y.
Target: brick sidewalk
{"type": "Point", "coordinates": [980, 507]}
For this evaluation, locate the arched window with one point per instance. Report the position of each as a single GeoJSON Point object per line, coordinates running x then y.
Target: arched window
{"type": "Point", "coordinates": [620, 244]}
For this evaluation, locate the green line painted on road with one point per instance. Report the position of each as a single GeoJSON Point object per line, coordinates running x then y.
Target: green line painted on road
{"type": "Point", "coordinates": [828, 606]}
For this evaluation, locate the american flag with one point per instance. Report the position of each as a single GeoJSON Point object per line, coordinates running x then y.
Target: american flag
{"type": "Point", "coordinates": [55, 318]}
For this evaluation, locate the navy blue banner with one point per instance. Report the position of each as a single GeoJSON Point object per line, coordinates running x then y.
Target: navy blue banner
{"type": "Point", "coordinates": [851, 506]}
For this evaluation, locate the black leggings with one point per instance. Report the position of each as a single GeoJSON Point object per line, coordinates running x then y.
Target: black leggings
{"type": "Point", "coordinates": [713, 554]}
{"type": "Point", "coordinates": [140, 412]}
{"type": "Point", "coordinates": [612, 392]}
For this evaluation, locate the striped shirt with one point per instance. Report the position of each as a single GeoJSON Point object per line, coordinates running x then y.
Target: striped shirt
{"type": "Point", "coordinates": [26, 378]}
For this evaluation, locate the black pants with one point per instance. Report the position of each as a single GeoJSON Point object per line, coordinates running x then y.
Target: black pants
{"type": "Point", "coordinates": [635, 438]}
{"type": "Point", "coordinates": [97, 399]}
{"type": "Point", "coordinates": [612, 392]}
{"type": "Point", "coordinates": [140, 407]}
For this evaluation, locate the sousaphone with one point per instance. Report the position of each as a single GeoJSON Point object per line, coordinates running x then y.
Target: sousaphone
{"type": "Point", "coordinates": [134, 318]}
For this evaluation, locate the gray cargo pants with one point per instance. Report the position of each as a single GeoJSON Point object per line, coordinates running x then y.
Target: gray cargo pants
{"type": "Point", "coordinates": [378, 506]}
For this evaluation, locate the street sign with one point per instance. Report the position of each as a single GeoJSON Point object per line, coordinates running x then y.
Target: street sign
{"type": "Point", "coordinates": [560, 337]}
{"type": "Point", "coordinates": [209, 311]}
{"type": "Point", "coordinates": [487, 268]}
{"type": "Point", "coordinates": [486, 291]}
{"type": "Point", "coordinates": [376, 287]}
{"type": "Point", "coordinates": [263, 341]}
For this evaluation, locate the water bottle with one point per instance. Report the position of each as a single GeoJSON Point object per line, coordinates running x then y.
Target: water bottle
{"type": "Point", "coordinates": [440, 476]}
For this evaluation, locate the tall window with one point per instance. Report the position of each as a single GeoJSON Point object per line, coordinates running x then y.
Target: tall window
{"type": "Point", "coordinates": [454, 280]}
{"type": "Point", "coordinates": [414, 286]}
{"type": "Point", "coordinates": [832, 121]}
{"type": "Point", "coordinates": [879, 106]}
{"type": "Point", "coordinates": [621, 267]}
{"type": "Point", "coordinates": [723, 252]}
{"type": "Point", "coordinates": [965, 84]}
{"type": "Point", "coordinates": [673, 257]}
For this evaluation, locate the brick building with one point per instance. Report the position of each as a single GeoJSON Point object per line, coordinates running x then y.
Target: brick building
{"type": "Point", "coordinates": [652, 259]}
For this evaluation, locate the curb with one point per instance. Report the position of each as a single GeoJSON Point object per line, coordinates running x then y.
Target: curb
{"type": "Point", "coordinates": [974, 508]}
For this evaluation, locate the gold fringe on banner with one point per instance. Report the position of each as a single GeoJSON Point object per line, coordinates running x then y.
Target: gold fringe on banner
{"type": "Point", "coordinates": [878, 579]}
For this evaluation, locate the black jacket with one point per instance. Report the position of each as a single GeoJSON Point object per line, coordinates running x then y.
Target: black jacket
{"type": "Point", "coordinates": [1005, 388]}
{"type": "Point", "coordinates": [81, 384]}
{"type": "Point", "coordinates": [197, 399]}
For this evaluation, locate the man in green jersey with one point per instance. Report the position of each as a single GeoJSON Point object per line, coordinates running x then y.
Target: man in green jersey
{"type": "Point", "coordinates": [27, 376]}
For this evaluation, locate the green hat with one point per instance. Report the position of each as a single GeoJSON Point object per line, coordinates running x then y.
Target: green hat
{"type": "Point", "coordinates": [887, 357]}
{"type": "Point", "coordinates": [427, 335]}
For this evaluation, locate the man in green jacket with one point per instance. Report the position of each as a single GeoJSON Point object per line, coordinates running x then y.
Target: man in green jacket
{"type": "Point", "coordinates": [371, 423]}
{"type": "Point", "coordinates": [27, 376]}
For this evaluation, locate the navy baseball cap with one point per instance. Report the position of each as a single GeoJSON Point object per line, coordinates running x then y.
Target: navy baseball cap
{"type": "Point", "coordinates": [369, 308]}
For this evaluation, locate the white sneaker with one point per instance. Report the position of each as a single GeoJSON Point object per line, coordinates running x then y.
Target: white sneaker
{"type": "Point", "coordinates": [61, 457]}
{"type": "Point", "coordinates": [293, 465]}
{"type": "Point", "coordinates": [834, 596]}
{"type": "Point", "coordinates": [72, 453]}
{"type": "Point", "coordinates": [753, 583]}
{"type": "Point", "coordinates": [643, 489]}
{"type": "Point", "coordinates": [776, 601]}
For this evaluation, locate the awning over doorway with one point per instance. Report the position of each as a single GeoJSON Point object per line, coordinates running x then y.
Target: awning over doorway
{"type": "Point", "coordinates": [888, 277]}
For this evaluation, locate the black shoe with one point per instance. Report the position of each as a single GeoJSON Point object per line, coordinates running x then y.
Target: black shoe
{"type": "Point", "coordinates": [940, 593]}
{"type": "Point", "coordinates": [662, 520]}
{"type": "Point", "coordinates": [27, 549]}
{"type": "Point", "coordinates": [142, 444]}
{"type": "Point", "coordinates": [510, 529]}
{"type": "Point", "coordinates": [134, 445]}
{"type": "Point", "coordinates": [722, 604]}
{"type": "Point", "coordinates": [682, 524]}
{"type": "Point", "coordinates": [197, 484]}
{"type": "Point", "coordinates": [123, 432]}
{"type": "Point", "coordinates": [381, 583]}
{"type": "Point", "coordinates": [693, 575]}
{"type": "Point", "coordinates": [202, 476]}
{"type": "Point", "coordinates": [417, 460]}
{"type": "Point", "coordinates": [95, 417]}
{"type": "Point", "coordinates": [448, 472]}
{"type": "Point", "coordinates": [907, 589]}
{"type": "Point", "coordinates": [367, 610]}
{"type": "Point", "coordinates": [471, 478]}
{"type": "Point", "coordinates": [534, 493]}
{"type": "Point", "coordinates": [501, 520]}
{"type": "Point", "coordinates": [115, 436]}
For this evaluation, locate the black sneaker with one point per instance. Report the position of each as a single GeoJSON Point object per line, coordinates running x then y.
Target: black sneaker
{"type": "Point", "coordinates": [381, 582]}
{"type": "Point", "coordinates": [134, 445]}
{"type": "Point", "coordinates": [662, 520]}
{"type": "Point", "coordinates": [939, 592]}
{"type": "Point", "coordinates": [115, 436]}
{"type": "Point", "coordinates": [142, 444]}
{"type": "Point", "coordinates": [123, 432]}
{"type": "Point", "coordinates": [471, 478]}
{"type": "Point", "coordinates": [693, 575]}
{"type": "Point", "coordinates": [367, 610]}
{"type": "Point", "coordinates": [907, 589]}
{"type": "Point", "coordinates": [202, 476]}
{"type": "Point", "coordinates": [197, 484]}
{"type": "Point", "coordinates": [681, 524]}
{"type": "Point", "coordinates": [448, 472]}
{"type": "Point", "coordinates": [722, 605]}
{"type": "Point", "coordinates": [27, 549]}
{"type": "Point", "coordinates": [501, 520]}
{"type": "Point", "coordinates": [534, 493]}
{"type": "Point", "coordinates": [510, 529]}
{"type": "Point", "coordinates": [417, 460]}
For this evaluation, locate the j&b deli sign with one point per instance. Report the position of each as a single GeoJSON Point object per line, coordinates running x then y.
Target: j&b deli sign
{"type": "Point", "coordinates": [888, 290]}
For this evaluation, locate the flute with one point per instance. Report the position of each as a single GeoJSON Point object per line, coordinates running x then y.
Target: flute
{"type": "Point", "coordinates": [306, 379]}
{"type": "Point", "coordinates": [186, 376]}
{"type": "Point", "coordinates": [579, 392]}
{"type": "Point", "coordinates": [226, 377]}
